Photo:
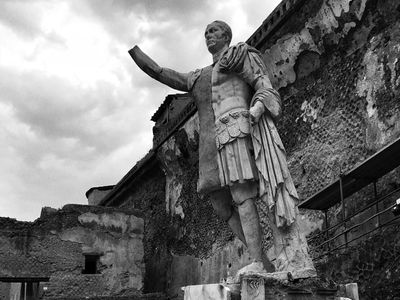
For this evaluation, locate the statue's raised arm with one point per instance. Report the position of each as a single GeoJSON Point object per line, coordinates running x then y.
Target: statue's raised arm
{"type": "Point", "coordinates": [166, 76]}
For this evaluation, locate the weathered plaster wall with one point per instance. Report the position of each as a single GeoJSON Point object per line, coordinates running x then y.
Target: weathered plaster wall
{"type": "Point", "coordinates": [223, 262]}
{"type": "Point", "coordinates": [335, 63]}
{"type": "Point", "coordinates": [96, 194]}
{"type": "Point", "coordinates": [148, 195]}
{"type": "Point", "coordinates": [54, 246]}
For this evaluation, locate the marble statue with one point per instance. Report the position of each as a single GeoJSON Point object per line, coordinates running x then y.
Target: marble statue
{"type": "Point", "coordinates": [241, 156]}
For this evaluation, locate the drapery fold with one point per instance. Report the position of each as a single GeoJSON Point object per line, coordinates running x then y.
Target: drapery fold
{"type": "Point", "coordinates": [276, 186]}
{"type": "Point", "coordinates": [236, 163]}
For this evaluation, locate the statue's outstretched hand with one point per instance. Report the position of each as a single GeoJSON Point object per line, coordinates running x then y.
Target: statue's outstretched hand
{"type": "Point", "coordinates": [166, 76]}
{"type": "Point", "coordinates": [256, 112]}
{"type": "Point", "coordinates": [149, 66]}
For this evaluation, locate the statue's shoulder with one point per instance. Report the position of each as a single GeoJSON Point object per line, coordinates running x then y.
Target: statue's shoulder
{"type": "Point", "coordinates": [243, 47]}
{"type": "Point", "coordinates": [194, 75]}
{"type": "Point", "coordinates": [233, 57]}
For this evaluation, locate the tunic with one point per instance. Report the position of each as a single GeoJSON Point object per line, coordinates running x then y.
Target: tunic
{"type": "Point", "coordinates": [223, 95]}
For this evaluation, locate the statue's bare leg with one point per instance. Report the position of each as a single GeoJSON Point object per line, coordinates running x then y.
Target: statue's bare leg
{"type": "Point", "coordinates": [221, 201]}
{"type": "Point", "coordinates": [291, 249]}
{"type": "Point", "coordinates": [244, 196]}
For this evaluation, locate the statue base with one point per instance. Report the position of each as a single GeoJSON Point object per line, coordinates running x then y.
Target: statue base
{"type": "Point", "coordinates": [283, 287]}
{"type": "Point", "coordinates": [270, 286]}
{"type": "Point", "coordinates": [282, 276]}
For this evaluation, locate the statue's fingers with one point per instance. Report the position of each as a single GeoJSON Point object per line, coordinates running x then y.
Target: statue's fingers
{"type": "Point", "coordinates": [252, 119]}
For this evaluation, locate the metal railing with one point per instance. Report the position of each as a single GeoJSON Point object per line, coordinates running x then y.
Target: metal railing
{"type": "Point", "coordinates": [328, 245]}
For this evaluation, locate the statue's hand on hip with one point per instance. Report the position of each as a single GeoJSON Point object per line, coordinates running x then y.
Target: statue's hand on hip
{"type": "Point", "coordinates": [256, 112]}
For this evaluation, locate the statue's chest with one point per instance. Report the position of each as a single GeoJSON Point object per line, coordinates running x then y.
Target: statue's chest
{"type": "Point", "coordinates": [226, 85]}
{"type": "Point", "coordinates": [223, 78]}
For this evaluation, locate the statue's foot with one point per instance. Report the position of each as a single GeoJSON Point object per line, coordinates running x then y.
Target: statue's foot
{"type": "Point", "coordinates": [303, 273]}
{"type": "Point", "coordinates": [268, 265]}
{"type": "Point", "coordinates": [255, 267]}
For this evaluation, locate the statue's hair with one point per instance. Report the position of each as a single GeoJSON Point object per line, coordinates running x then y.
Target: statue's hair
{"type": "Point", "coordinates": [225, 28]}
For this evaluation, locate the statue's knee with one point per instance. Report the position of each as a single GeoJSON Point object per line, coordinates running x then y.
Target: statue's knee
{"type": "Point", "coordinates": [221, 201]}
{"type": "Point", "coordinates": [242, 192]}
{"type": "Point", "coordinates": [226, 214]}
{"type": "Point", "coordinates": [245, 202]}
{"type": "Point", "coordinates": [223, 211]}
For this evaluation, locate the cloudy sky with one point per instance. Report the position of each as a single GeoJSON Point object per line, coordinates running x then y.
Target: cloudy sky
{"type": "Point", "coordinates": [74, 108]}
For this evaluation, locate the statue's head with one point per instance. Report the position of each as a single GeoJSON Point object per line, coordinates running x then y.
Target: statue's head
{"type": "Point", "coordinates": [217, 34]}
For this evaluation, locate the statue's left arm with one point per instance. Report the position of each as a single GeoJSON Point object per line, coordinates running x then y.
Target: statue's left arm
{"type": "Point", "coordinates": [247, 62]}
{"type": "Point", "coordinates": [265, 97]}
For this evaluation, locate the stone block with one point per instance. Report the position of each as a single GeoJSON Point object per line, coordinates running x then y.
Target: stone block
{"type": "Point", "coordinates": [349, 291]}
{"type": "Point", "coordinates": [206, 292]}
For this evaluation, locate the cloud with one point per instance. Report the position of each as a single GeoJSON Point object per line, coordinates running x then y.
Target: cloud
{"type": "Point", "coordinates": [95, 118]}
{"type": "Point", "coordinates": [133, 17]}
{"type": "Point", "coordinates": [54, 150]}
{"type": "Point", "coordinates": [20, 17]}
{"type": "Point", "coordinates": [76, 109]}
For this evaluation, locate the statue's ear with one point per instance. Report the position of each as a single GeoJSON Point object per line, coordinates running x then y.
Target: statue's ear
{"type": "Point", "coordinates": [226, 37]}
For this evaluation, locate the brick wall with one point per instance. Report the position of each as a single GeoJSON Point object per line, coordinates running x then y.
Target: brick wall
{"type": "Point", "coordinates": [54, 246]}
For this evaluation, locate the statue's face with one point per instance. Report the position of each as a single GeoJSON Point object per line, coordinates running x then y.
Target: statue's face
{"type": "Point", "coordinates": [216, 38]}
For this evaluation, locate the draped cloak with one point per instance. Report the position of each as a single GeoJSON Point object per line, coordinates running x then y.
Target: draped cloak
{"type": "Point", "coordinates": [276, 188]}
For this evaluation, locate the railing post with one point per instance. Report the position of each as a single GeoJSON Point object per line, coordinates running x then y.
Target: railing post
{"type": "Point", "coordinates": [326, 229]}
{"type": "Point", "coordinates": [343, 208]}
{"type": "Point", "coordinates": [376, 203]}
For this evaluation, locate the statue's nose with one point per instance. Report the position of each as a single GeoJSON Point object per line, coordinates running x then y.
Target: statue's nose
{"type": "Point", "coordinates": [208, 35]}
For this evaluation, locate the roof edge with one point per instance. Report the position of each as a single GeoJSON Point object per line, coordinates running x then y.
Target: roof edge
{"type": "Point", "coordinates": [277, 17]}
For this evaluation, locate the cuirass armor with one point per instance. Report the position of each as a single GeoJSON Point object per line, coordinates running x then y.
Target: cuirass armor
{"type": "Point", "coordinates": [230, 101]}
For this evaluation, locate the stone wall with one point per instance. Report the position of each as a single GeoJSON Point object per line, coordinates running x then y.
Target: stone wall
{"type": "Point", "coordinates": [335, 63]}
{"type": "Point", "coordinates": [374, 264]}
{"type": "Point", "coordinates": [54, 247]}
{"type": "Point", "coordinates": [147, 193]}
{"type": "Point", "coordinates": [96, 194]}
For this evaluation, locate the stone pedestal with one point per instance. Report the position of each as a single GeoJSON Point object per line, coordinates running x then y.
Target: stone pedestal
{"type": "Point", "coordinates": [256, 287]}
{"type": "Point", "coordinates": [273, 287]}
{"type": "Point", "coordinates": [206, 292]}
{"type": "Point", "coordinates": [270, 286]}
